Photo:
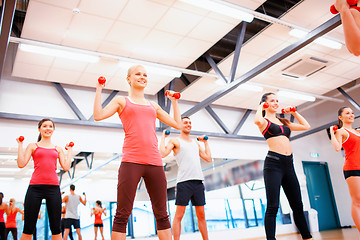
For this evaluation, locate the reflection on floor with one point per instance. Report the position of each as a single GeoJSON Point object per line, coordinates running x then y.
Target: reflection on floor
{"type": "Point", "coordinates": [341, 234]}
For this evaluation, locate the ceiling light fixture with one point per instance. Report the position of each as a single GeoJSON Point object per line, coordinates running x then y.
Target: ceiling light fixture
{"type": "Point", "coordinates": [321, 40]}
{"type": "Point", "coordinates": [152, 70]}
{"type": "Point", "coordinates": [222, 7]}
{"type": "Point", "coordinates": [295, 95]}
{"type": "Point", "coordinates": [59, 53]}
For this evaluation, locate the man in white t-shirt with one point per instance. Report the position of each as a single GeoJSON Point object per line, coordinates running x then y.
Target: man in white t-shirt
{"type": "Point", "coordinates": [190, 177]}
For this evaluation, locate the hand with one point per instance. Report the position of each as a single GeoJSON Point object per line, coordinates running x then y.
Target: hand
{"type": "Point", "coordinates": [341, 4]}
{"type": "Point", "coordinates": [333, 129]}
{"type": "Point", "coordinates": [172, 95]}
{"type": "Point", "coordinates": [20, 139]}
{"type": "Point", "coordinates": [265, 105]}
{"type": "Point", "coordinates": [203, 138]}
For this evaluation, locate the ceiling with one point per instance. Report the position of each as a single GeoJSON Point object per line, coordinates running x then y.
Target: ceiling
{"type": "Point", "coordinates": [177, 34]}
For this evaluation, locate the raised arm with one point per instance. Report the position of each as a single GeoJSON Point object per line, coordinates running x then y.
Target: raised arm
{"type": "Point", "coordinates": [65, 162]}
{"type": "Point", "coordinates": [259, 120]}
{"type": "Point", "coordinates": [83, 201]}
{"type": "Point", "coordinates": [115, 105]}
{"type": "Point", "coordinates": [163, 116]}
{"type": "Point", "coordinates": [336, 138]}
{"type": "Point", "coordinates": [165, 150]}
{"type": "Point", "coordinates": [205, 154]}
{"type": "Point", "coordinates": [24, 158]}
{"type": "Point", "coordinates": [302, 123]}
{"type": "Point", "coordinates": [350, 19]}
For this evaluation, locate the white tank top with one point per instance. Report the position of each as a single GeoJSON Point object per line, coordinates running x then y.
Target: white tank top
{"type": "Point", "coordinates": [188, 161]}
{"type": "Point", "coordinates": [72, 206]}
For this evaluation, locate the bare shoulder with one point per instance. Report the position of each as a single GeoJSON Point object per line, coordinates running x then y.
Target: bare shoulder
{"type": "Point", "coordinates": [156, 106]}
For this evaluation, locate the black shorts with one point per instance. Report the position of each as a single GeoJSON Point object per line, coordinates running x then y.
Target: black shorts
{"type": "Point", "coordinates": [193, 190]}
{"type": "Point", "coordinates": [99, 225]}
{"type": "Point", "coordinates": [351, 173]}
{"type": "Point", "coordinates": [71, 221]}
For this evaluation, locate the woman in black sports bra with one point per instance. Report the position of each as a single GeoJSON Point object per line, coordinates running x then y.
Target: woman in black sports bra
{"type": "Point", "coordinates": [278, 166]}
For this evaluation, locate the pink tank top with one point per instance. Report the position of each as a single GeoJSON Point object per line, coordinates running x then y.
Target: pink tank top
{"type": "Point", "coordinates": [2, 215]}
{"type": "Point", "coordinates": [45, 160]}
{"type": "Point", "coordinates": [140, 144]}
{"type": "Point", "coordinates": [11, 219]}
{"type": "Point", "coordinates": [352, 152]}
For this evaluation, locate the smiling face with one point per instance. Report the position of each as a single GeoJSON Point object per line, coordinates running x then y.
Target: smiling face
{"type": "Point", "coordinates": [186, 126]}
{"type": "Point", "coordinates": [347, 115]}
{"type": "Point", "coordinates": [46, 129]}
{"type": "Point", "coordinates": [273, 103]}
{"type": "Point", "coordinates": [137, 77]}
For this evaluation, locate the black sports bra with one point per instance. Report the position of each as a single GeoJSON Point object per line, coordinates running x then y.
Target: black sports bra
{"type": "Point", "coordinates": [274, 130]}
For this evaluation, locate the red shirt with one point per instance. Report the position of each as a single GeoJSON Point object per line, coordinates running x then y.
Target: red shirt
{"type": "Point", "coordinates": [11, 218]}
{"type": "Point", "coordinates": [141, 143]}
{"type": "Point", "coordinates": [352, 151]}
{"type": "Point", "coordinates": [45, 160]}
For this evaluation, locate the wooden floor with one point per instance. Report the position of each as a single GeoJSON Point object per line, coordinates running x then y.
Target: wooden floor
{"type": "Point", "coordinates": [342, 234]}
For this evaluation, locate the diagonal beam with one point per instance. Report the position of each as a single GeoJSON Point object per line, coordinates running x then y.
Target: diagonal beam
{"type": "Point", "coordinates": [217, 119]}
{"type": "Point", "coordinates": [69, 101]}
{"type": "Point", "coordinates": [347, 96]}
{"type": "Point", "coordinates": [106, 102]}
{"type": "Point", "coordinates": [238, 47]}
{"type": "Point", "coordinates": [319, 31]}
{"type": "Point", "coordinates": [7, 16]}
{"type": "Point", "coordinates": [242, 121]}
{"type": "Point", "coordinates": [215, 67]}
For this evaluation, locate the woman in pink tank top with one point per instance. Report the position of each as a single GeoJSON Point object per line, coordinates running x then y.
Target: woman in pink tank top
{"type": "Point", "coordinates": [349, 138]}
{"type": "Point", "coordinates": [141, 157]}
{"type": "Point", "coordinates": [3, 208]}
{"type": "Point", "coordinates": [44, 183]}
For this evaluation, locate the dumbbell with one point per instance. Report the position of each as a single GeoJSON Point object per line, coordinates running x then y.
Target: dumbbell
{"type": "Point", "coordinates": [176, 95]}
{"type": "Point", "coordinates": [167, 132]}
{"type": "Point", "coordinates": [102, 80]}
{"type": "Point", "coordinates": [333, 10]}
{"type": "Point", "coordinates": [71, 144]}
{"type": "Point", "coordinates": [21, 138]}
{"type": "Point", "coordinates": [205, 138]}
{"type": "Point", "coordinates": [84, 193]}
{"type": "Point", "coordinates": [335, 127]}
{"type": "Point", "coordinates": [266, 105]}
{"type": "Point", "coordinates": [292, 109]}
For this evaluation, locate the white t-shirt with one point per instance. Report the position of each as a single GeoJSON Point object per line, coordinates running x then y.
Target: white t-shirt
{"type": "Point", "coordinates": [188, 161]}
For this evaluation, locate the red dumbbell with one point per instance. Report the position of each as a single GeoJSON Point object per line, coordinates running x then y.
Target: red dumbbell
{"type": "Point", "coordinates": [335, 127]}
{"type": "Point", "coordinates": [102, 80]}
{"type": "Point", "coordinates": [266, 105]}
{"type": "Point", "coordinates": [176, 95]}
{"type": "Point", "coordinates": [71, 144]}
{"type": "Point", "coordinates": [292, 109]}
{"type": "Point", "coordinates": [21, 138]}
{"type": "Point", "coordinates": [333, 10]}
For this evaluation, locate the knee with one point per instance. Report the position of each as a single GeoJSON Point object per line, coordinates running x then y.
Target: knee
{"type": "Point", "coordinates": [271, 210]}
{"type": "Point", "coordinates": [200, 215]}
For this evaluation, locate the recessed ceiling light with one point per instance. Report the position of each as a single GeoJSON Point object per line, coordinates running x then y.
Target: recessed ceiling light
{"type": "Point", "coordinates": [76, 10]}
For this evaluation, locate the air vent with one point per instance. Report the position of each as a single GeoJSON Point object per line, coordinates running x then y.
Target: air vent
{"type": "Point", "coordinates": [305, 67]}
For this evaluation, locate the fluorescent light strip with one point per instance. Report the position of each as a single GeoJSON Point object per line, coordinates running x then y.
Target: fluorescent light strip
{"type": "Point", "coordinates": [6, 156]}
{"type": "Point", "coordinates": [294, 95]}
{"type": "Point", "coordinates": [222, 8]}
{"type": "Point", "coordinates": [59, 53]}
{"type": "Point", "coordinates": [321, 40]}
{"type": "Point", "coordinates": [152, 69]}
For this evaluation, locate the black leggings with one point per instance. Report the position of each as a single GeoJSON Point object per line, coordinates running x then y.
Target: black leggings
{"type": "Point", "coordinates": [34, 196]}
{"type": "Point", "coordinates": [279, 171]}
{"type": "Point", "coordinates": [2, 231]}
{"type": "Point", "coordinates": [13, 231]}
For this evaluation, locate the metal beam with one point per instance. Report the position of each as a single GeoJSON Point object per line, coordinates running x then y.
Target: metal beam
{"type": "Point", "coordinates": [347, 96]}
{"type": "Point", "coordinates": [239, 43]}
{"type": "Point", "coordinates": [217, 119]}
{"type": "Point", "coordinates": [69, 101]}
{"type": "Point", "coordinates": [24, 117]}
{"type": "Point", "coordinates": [7, 16]}
{"type": "Point", "coordinates": [215, 67]}
{"type": "Point", "coordinates": [106, 102]}
{"type": "Point", "coordinates": [315, 130]}
{"type": "Point", "coordinates": [319, 31]}
{"type": "Point", "coordinates": [242, 121]}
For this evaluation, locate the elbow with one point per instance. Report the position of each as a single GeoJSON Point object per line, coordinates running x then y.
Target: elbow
{"type": "Point", "coordinates": [307, 127]}
{"type": "Point", "coordinates": [96, 118]}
